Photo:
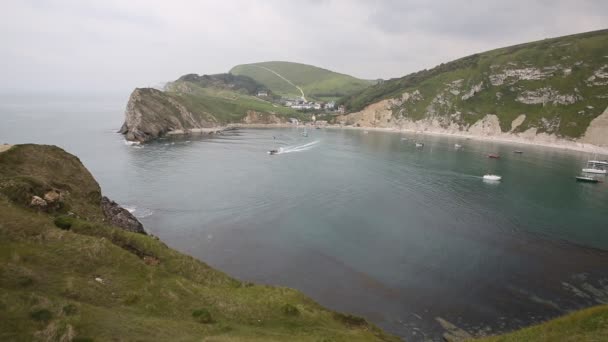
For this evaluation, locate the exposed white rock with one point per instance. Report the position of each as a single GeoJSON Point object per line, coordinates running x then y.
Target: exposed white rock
{"type": "Point", "coordinates": [547, 95]}
{"type": "Point", "coordinates": [518, 121]}
{"type": "Point", "coordinates": [550, 125]}
{"type": "Point", "coordinates": [38, 202]}
{"type": "Point", "coordinates": [489, 125]}
{"type": "Point", "coordinates": [596, 132]}
{"type": "Point", "coordinates": [599, 77]}
{"type": "Point", "coordinates": [412, 97]}
{"type": "Point", "coordinates": [525, 74]}
{"type": "Point", "coordinates": [474, 90]}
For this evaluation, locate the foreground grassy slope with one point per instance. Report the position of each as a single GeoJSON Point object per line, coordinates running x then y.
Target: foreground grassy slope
{"type": "Point", "coordinates": [317, 83]}
{"type": "Point", "coordinates": [589, 325]}
{"type": "Point", "coordinates": [560, 84]}
{"type": "Point", "coordinates": [93, 282]}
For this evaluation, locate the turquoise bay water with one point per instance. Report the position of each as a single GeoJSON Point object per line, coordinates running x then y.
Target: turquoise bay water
{"type": "Point", "coordinates": [365, 223]}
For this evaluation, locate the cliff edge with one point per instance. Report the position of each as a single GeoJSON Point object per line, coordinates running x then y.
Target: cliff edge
{"type": "Point", "coordinates": [152, 113]}
{"type": "Point", "coordinates": [68, 272]}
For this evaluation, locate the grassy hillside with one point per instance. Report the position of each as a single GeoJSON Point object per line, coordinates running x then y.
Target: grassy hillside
{"type": "Point", "coordinates": [226, 102]}
{"type": "Point", "coordinates": [317, 83]}
{"type": "Point", "coordinates": [88, 281]}
{"type": "Point", "coordinates": [589, 325]}
{"type": "Point", "coordinates": [560, 84]}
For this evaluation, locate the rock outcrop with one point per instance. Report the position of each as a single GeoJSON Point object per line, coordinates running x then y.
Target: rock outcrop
{"type": "Point", "coordinates": [120, 217]}
{"type": "Point", "coordinates": [152, 113]}
{"type": "Point", "coordinates": [597, 132]}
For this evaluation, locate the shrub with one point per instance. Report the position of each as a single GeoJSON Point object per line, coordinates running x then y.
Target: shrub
{"type": "Point", "coordinates": [351, 320]}
{"type": "Point", "coordinates": [202, 316]}
{"type": "Point", "coordinates": [70, 309]}
{"type": "Point", "coordinates": [290, 310]}
{"type": "Point", "coordinates": [42, 315]}
{"type": "Point", "coordinates": [25, 281]}
{"type": "Point", "coordinates": [131, 299]}
{"type": "Point", "coordinates": [63, 222]}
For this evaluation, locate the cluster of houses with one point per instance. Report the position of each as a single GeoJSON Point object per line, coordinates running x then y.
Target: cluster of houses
{"type": "Point", "coordinates": [302, 104]}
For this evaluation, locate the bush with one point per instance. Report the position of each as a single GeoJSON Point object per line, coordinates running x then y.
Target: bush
{"type": "Point", "coordinates": [70, 309]}
{"type": "Point", "coordinates": [63, 222]}
{"type": "Point", "coordinates": [351, 320]}
{"type": "Point", "coordinates": [131, 299]}
{"type": "Point", "coordinates": [202, 316]}
{"type": "Point", "coordinates": [42, 315]}
{"type": "Point", "coordinates": [290, 310]}
{"type": "Point", "coordinates": [25, 281]}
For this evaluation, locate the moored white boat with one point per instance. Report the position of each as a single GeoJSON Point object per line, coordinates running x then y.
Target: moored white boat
{"type": "Point", "coordinates": [419, 144]}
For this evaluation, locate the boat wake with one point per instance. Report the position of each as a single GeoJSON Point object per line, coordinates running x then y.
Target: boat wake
{"type": "Point", "coordinates": [297, 148]}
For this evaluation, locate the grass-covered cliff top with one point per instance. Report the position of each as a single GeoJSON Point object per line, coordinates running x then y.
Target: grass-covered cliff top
{"type": "Point", "coordinates": [79, 279]}
{"type": "Point", "coordinates": [317, 83]}
{"type": "Point", "coordinates": [560, 84]}
{"type": "Point", "coordinates": [589, 325]}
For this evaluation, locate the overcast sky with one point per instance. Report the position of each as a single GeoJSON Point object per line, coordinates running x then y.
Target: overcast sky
{"type": "Point", "coordinates": [116, 45]}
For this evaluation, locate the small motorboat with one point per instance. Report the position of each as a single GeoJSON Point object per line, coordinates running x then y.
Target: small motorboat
{"type": "Point", "coordinates": [403, 139]}
{"type": "Point", "coordinates": [490, 177]}
{"type": "Point", "coordinates": [272, 152]}
{"type": "Point", "coordinates": [493, 156]}
{"type": "Point", "coordinates": [304, 134]}
{"type": "Point", "coordinates": [365, 132]}
{"type": "Point", "coordinates": [419, 144]}
{"type": "Point", "coordinates": [518, 151]}
{"type": "Point", "coordinates": [457, 146]}
{"type": "Point", "coordinates": [587, 179]}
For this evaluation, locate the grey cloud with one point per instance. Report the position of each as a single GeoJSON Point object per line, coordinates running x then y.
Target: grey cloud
{"type": "Point", "coordinates": [117, 45]}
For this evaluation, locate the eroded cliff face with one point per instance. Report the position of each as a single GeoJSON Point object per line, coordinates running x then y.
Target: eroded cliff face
{"type": "Point", "coordinates": [597, 133]}
{"type": "Point", "coordinates": [382, 115]}
{"type": "Point", "coordinates": [551, 89]}
{"type": "Point", "coordinates": [152, 113]}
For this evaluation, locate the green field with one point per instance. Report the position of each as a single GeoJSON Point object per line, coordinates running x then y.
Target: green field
{"type": "Point", "coordinates": [317, 83]}
{"type": "Point", "coordinates": [65, 275]}
{"type": "Point", "coordinates": [563, 66]}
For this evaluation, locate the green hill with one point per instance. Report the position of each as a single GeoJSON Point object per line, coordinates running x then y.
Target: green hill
{"type": "Point", "coordinates": [67, 275]}
{"type": "Point", "coordinates": [559, 85]}
{"type": "Point", "coordinates": [588, 325]}
{"type": "Point", "coordinates": [284, 78]}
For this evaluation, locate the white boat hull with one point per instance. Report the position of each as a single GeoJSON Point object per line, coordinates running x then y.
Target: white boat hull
{"type": "Point", "coordinates": [598, 171]}
{"type": "Point", "coordinates": [492, 177]}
